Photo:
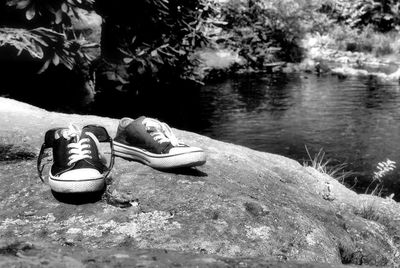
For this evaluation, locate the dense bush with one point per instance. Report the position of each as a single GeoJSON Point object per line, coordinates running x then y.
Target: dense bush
{"type": "Point", "coordinates": [369, 26]}
{"type": "Point", "coordinates": [267, 31]}
{"type": "Point", "coordinates": [42, 30]}
{"type": "Point", "coordinates": [151, 40]}
{"type": "Point", "coordinates": [382, 15]}
{"type": "Point", "coordinates": [42, 56]}
{"type": "Point", "coordinates": [367, 40]}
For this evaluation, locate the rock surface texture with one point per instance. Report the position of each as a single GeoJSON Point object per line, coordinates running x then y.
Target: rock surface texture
{"type": "Point", "coordinates": [243, 208]}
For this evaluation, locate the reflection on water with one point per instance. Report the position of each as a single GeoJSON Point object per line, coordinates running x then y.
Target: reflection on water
{"type": "Point", "coordinates": [355, 120]}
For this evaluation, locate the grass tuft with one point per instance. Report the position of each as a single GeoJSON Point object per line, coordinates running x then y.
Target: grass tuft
{"type": "Point", "coordinates": [371, 212]}
{"type": "Point", "coordinates": [325, 166]}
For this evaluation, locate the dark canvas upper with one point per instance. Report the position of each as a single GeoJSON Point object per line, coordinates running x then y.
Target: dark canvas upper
{"type": "Point", "coordinates": [61, 155]}
{"type": "Point", "coordinates": [135, 134]}
{"type": "Point", "coordinates": [153, 143]}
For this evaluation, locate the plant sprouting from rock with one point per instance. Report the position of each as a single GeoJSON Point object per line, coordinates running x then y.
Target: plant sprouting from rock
{"type": "Point", "coordinates": [383, 169]}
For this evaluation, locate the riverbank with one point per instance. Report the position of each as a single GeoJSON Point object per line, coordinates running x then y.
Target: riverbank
{"type": "Point", "coordinates": [242, 206]}
{"type": "Point", "coordinates": [319, 58]}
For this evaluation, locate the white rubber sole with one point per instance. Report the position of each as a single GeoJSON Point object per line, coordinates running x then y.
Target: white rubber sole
{"type": "Point", "coordinates": [76, 184]}
{"type": "Point", "coordinates": [191, 158]}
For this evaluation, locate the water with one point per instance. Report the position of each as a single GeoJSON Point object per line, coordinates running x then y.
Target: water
{"type": "Point", "coordinates": [354, 121]}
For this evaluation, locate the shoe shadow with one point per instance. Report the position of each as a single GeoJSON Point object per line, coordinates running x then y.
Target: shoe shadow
{"type": "Point", "coordinates": [189, 171]}
{"type": "Point", "coordinates": [79, 198]}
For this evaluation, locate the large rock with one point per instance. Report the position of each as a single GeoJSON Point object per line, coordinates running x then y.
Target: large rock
{"type": "Point", "coordinates": [243, 207]}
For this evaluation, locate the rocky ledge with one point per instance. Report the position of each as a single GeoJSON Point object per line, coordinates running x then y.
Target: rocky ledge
{"type": "Point", "coordinates": [243, 208]}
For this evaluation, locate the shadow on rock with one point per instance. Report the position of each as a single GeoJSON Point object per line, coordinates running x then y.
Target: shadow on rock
{"type": "Point", "coordinates": [12, 248]}
{"type": "Point", "coordinates": [186, 171]}
{"type": "Point", "coordinates": [10, 152]}
{"type": "Point", "coordinates": [79, 198]}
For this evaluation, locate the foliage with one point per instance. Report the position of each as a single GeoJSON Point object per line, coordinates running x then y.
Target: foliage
{"type": "Point", "coordinates": [367, 40]}
{"type": "Point", "coordinates": [368, 26]}
{"type": "Point", "coordinates": [42, 28]}
{"type": "Point", "coordinates": [383, 15]}
{"type": "Point", "coordinates": [248, 32]}
{"type": "Point", "coordinates": [153, 39]}
{"type": "Point", "coordinates": [50, 11]}
{"type": "Point", "coordinates": [43, 43]}
{"type": "Point", "coordinates": [266, 31]}
{"type": "Point", "coordinates": [383, 169]}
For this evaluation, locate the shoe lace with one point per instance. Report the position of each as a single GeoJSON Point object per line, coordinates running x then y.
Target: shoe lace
{"type": "Point", "coordinates": [160, 132]}
{"type": "Point", "coordinates": [81, 149]}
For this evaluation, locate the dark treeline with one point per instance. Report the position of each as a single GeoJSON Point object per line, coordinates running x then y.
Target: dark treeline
{"type": "Point", "coordinates": [145, 43]}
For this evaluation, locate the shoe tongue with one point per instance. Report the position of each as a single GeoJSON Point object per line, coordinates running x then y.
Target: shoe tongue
{"type": "Point", "coordinates": [58, 134]}
{"type": "Point", "coordinates": [152, 125]}
{"type": "Point", "coordinates": [71, 132]}
{"type": "Point", "coordinates": [61, 134]}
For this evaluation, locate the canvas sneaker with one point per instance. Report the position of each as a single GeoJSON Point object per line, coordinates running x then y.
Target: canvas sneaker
{"type": "Point", "coordinates": [153, 143]}
{"type": "Point", "coordinates": [78, 164]}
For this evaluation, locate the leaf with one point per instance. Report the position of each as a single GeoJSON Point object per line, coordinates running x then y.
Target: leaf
{"type": "Point", "coordinates": [127, 60]}
{"type": "Point", "coordinates": [39, 50]}
{"type": "Point", "coordinates": [58, 15]}
{"type": "Point", "coordinates": [64, 7]}
{"type": "Point", "coordinates": [154, 53]}
{"type": "Point", "coordinates": [56, 59]}
{"type": "Point", "coordinates": [153, 67]}
{"type": "Point", "coordinates": [39, 40]}
{"type": "Point", "coordinates": [30, 13]}
{"type": "Point", "coordinates": [387, 17]}
{"type": "Point", "coordinates": [12, 3]}
{"type": "Point", "coordinates": [121, 80]}
{"type": "Point", "coordinates": [23, 4]}
{"type": "Point", "coordinates": [44, 67]}
{"type": "Point", "coordinates": [141, 70]}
